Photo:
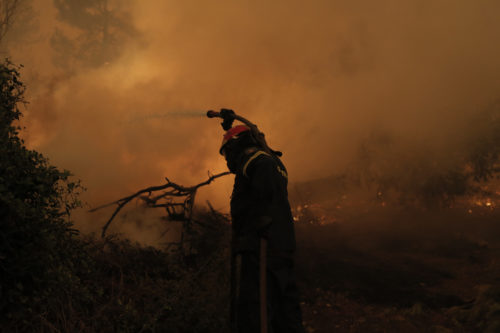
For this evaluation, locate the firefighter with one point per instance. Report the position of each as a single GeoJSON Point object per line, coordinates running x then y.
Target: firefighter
{"type": "Point", "coordinates": [260, 213]}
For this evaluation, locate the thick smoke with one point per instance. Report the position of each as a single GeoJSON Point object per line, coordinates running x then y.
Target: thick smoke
{"type": "Point", "coordinates": [318, 77]}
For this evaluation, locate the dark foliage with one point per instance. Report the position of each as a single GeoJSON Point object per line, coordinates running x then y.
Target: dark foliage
{"type": "Point", "coordinates": [37, 250]}
{"type": "Point", "coordinates": [53, 280]}
{"type": "Point", "coordinates": [144, 289]}
{"type": "Point", "coordinates": [484, 151]}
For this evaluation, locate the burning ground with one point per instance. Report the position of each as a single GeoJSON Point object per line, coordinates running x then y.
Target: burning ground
{"type": "Point", "coordinates": [406, 248]}
{"type": "Point", "coordinates": [361, 266]}
{"type": "Point", "coordinates": [383, 268]}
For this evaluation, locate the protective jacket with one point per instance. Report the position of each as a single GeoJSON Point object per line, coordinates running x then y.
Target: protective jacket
{"type": "Point", "coordinates": [259, 204]}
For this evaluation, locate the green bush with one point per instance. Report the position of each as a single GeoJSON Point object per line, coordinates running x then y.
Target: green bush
{"type": "Point", "coordinates": [37, 249]}
{"type": "Point", "coordinates": [54, 280]}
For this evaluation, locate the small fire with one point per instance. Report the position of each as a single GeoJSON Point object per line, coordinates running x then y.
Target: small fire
{"type": "Point", "coordinates": [312, 213]}
{"type": "Point", "coordinates": [484, 203]}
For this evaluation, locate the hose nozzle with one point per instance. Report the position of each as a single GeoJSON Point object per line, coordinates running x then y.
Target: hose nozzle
{"type": "Point", "coordinates": [212, 114]}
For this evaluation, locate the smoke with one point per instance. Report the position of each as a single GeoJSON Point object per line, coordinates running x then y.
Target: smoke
{"type": "Point", "coordinates": [317, 77]}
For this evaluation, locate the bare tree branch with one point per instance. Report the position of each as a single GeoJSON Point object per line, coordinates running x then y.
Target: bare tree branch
{"type": "Point", "coordinates": [176, 190]}
{"type": "Point", "coordinates": [8, 8]}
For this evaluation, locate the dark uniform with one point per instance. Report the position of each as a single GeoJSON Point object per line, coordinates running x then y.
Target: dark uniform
{"type": "Point", "coordinates": [260, 208]}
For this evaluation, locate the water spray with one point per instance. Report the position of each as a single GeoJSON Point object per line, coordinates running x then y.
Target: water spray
{"type": "Point", "coordinates": [165, 115]}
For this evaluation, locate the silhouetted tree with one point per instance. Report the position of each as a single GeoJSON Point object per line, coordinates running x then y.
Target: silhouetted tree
{"type": "Point", "coordinates": [484, 154]}
{"type": "Point", "coordinates": [425, 177]}
{"type": "Point", "coordinates": [38, 253]}
{"type": "Point", "coordinates": [8, 9]}
{"type": "Point", "coordinates": [18, 24]}
{"type": "Point", "coordinates": [93, 32]}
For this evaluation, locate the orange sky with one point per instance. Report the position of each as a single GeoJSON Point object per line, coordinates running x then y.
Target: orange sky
{"type": "Point", "coordinates": [316, 76]}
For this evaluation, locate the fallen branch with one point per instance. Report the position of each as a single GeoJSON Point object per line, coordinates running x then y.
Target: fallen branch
{"type": "Point", "coordinates": [176, 190]}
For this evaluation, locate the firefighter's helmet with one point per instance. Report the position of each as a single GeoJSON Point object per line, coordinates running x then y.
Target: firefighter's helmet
{"type": "Point", "coordinates": [233, 134]}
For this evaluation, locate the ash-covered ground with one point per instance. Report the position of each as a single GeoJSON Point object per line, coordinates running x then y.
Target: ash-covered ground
{"type": "Point", "coordinates": [369, 264]}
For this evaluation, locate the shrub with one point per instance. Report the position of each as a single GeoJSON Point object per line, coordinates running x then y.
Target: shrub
{"type": "Point", "coordinates": [37, 249]}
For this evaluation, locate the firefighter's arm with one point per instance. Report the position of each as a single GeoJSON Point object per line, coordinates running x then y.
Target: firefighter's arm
{"type": "Point", "coordinates": [263, 178]}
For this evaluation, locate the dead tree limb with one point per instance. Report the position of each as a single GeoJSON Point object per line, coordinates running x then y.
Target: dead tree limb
{"type": "Point", "coordinates": [173, 190]}
{"type": "Point", "coordinates": [8, 10]}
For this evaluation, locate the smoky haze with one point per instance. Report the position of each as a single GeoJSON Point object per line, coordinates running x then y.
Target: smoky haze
{"type": "Point", "coordinates": [317, 77]}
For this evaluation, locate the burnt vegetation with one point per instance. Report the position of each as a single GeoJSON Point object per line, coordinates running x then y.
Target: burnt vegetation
{"type": "Point", "coordinates": [414, 174]}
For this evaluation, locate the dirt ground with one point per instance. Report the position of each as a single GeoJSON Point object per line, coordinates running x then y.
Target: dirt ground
{"type": "Point", "coordinates": [400, 270]}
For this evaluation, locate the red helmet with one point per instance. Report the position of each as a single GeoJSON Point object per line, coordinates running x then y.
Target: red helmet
{"type": "Point", "coordinates": [232, 134]}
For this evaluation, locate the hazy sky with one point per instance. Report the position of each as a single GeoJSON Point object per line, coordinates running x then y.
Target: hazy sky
{"type": "Point", "coordinates": [316, 76]}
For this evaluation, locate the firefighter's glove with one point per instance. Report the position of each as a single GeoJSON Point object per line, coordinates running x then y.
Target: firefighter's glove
{"type": "Point", "coordinates": [226, 113]}
{"type": "Point", "coordinates": [263, 226]}
{"type": "Point", "coordinates": [228, 116]}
